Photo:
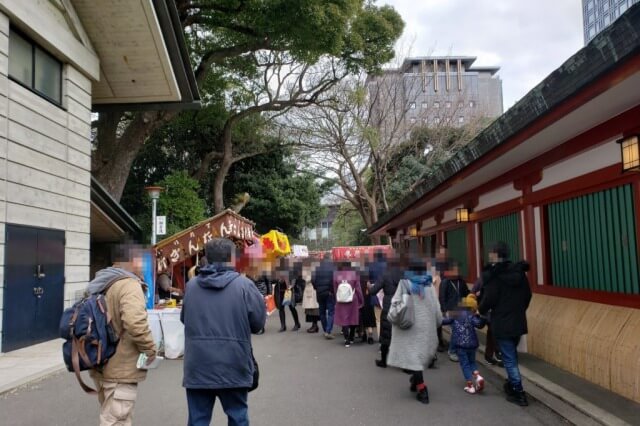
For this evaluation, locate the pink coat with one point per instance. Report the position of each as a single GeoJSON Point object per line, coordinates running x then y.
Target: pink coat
{"type": "Point", "coordinates": [347, 314]}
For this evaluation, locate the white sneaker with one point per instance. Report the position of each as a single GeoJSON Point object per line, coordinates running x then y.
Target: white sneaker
{"type": "Point", "coordinates": [470, 389]}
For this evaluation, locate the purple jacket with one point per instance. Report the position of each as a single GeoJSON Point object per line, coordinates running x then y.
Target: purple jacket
{"type": "Point", "coordinates": [348, 313]}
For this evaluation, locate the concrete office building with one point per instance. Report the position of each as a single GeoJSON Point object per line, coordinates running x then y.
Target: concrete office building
{"type": "Point", "coordinates": [598, 14]}
{"type": "Point", "coordinates": [434, 91]}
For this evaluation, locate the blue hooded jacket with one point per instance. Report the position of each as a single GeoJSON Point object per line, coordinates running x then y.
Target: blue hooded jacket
{"type": "Point", "coordinates": [220, 310]}
{"type": "Point", "coordinates": [463, 328]}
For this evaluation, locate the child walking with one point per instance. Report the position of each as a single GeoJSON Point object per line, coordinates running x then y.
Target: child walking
{"type": "Point", "coordinates": [464, 320]}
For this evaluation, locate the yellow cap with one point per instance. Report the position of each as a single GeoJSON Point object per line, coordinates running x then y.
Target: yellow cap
{"type": "Point", "coordinates": [471, 302]}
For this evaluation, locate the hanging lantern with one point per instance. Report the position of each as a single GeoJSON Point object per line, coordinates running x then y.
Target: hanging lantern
{"type": "Point", "coordinates": [462, 215]}
{"type": "Point", "coordinates": [630, 152]}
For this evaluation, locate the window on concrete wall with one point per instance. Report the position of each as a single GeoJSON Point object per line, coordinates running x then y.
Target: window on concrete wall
{"type": "Point", "coordinates": [592, 242]}
{"type": "Point", "coordinates": [34, 68]}
{"type": "Point", "coordinates": [325, 229]}
{"type": "Point", "coordinates": [504, 228]}
{"type": "Point", "coordinates": [457, 247]}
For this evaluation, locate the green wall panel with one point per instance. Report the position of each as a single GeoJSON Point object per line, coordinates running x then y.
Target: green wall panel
{"type": "Point", "coordinates": [592, 242]}
{"type": "Point", "coordinates": [505, 228]}
{"type": "Point", "coordinates": [457, 247]}
{"type": "Point", "coordinates": [428, 246]}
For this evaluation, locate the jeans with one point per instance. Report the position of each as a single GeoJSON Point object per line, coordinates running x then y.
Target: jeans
{"type": "Point", "coordinates": [327, 306]}
{"type": "Point", "coordinates": [467, 359]}
{"type": "Point", "coordinates": [508, 347]}
{"type": "Point", "coordinates": [234, 403]}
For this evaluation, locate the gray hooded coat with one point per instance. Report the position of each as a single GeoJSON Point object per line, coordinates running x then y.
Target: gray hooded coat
{"type": "Point", "coordinates": [414, 348]}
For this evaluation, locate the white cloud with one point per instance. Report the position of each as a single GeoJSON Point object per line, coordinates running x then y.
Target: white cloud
{"type": "Point", "coordinates": [527, 39]}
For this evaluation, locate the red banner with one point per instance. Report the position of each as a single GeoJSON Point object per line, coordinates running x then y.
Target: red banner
{"type": "Point", "coordinates": [358, 252]}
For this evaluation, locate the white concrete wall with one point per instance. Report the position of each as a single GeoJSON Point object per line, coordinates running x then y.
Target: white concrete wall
{"type": "Point", "coordinates": [450, 214]}
{"type": "Point", "coordinates": [497, 196]}
{"type": "Point", "coordinates": [589, 161]}
{"type": "Point", "coordinates": [45, 157]}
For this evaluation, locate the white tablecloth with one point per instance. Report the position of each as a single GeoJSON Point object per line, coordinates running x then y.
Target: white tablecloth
{"type": "Point", "coordinates": [168, 331]}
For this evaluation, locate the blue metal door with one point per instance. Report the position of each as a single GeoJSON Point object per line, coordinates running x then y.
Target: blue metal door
{"type": "Point", "coordinates": [34, 286]}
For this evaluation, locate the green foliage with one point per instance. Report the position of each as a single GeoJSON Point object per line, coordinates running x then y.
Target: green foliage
{"type": "Point", "coordinates": [408, 172]}
{"type": "Point", "coordinates": [360, 33]}
{"type": "Point", "coordinates": [180, 202]}
{"type": "Point", "coordinates": [347, 228]}
{"type": "Point", "coordinates": [280, 196]}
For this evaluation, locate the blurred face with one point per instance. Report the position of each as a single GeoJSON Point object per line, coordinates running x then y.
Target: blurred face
{"type": "Point", "coordinates": [493, 257]}
{"type": "Point", "coordinates": [134, 263]}
{"type": "Point", "coordinates": [453, 271]}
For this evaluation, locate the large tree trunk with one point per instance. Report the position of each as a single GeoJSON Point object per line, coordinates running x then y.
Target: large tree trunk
{"type": "Point", "coordinates": [225, 165]}
{"type": "Point", "coordinates": [115, 154]}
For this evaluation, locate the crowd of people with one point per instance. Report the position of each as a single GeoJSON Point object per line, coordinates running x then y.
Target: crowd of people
{"type": "Point", "coordinates": [357, 297]}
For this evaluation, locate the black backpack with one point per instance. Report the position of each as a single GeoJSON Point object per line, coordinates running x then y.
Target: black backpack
{"type": "Point", "coordinates": [90, 338]}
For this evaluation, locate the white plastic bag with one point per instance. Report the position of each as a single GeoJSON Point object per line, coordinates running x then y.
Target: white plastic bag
{"type": "Point", "coordinates": [156, 328]}
{"type": "Point", "coordinates": [173, 331]}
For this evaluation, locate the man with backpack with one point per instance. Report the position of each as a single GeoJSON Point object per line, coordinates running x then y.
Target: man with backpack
{"type": "Point", "coordinates": [506, 295]}
{"type": "Point", "coordinates": [221, 309]}
{"type": "Point", "coordinates": [117, 381]}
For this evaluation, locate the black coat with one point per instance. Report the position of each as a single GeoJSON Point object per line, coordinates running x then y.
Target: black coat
{"type": "Point", "coordinates": [388, 284]}
{"type": "Point", "coordinates": [322, 278]}
{"type": "Point", "coordinates": [506, 295]}
{"type": "Point", "coordinates": [452, 290]}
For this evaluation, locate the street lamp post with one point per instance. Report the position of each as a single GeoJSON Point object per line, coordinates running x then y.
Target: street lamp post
{"type": "Point", "coordinates": [154, 193]}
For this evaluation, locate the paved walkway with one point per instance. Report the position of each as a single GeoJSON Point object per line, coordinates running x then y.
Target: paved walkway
{"type": "Point", "coordinates": [306, 380]}
{"type": "Point", "coordinates": [24, 365]}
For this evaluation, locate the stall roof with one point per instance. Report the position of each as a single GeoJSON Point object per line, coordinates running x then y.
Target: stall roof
{"type": "Point", "coordinates": [178, 247]}
{"type": "Point", "coordinates": [599, 82]}
{"type": "Point", "coordinates": [218, 220]}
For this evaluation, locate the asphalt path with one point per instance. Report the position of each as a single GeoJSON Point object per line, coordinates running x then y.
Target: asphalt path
{"type": "Point", "coordinates": [305, 380]}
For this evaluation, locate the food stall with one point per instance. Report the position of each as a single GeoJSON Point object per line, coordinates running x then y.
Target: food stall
{"type": "Point", "coordinates": [174, 256]}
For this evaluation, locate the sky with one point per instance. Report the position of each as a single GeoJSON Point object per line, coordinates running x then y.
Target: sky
{"type": "Point", "coordinates": [528, 39]}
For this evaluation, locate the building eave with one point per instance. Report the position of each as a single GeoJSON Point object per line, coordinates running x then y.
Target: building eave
{"type": "Point", "coordinates": [116, 213]}
{"type": "Point", "coordinates": [144, 61]}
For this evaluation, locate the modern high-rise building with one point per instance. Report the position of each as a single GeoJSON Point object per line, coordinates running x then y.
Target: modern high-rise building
{"type": "Point", "coordinates": [598, 14]}
{"type": "Point", "coordinates": [433, 91]}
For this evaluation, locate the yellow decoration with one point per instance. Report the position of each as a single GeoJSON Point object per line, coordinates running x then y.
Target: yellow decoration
{"type": "Point", "coordinates": [275, 244]}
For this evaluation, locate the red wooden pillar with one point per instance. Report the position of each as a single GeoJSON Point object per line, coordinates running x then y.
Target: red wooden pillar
{"type": "Point", "coordinates": [526, 186]}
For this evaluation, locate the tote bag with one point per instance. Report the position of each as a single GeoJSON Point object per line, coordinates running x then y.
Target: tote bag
{"type": "Point", "coordinates": [402, 312]}
{"type": "Point", "coordinates": [309, 300]}
{"type": "Point", "coordinates": [286, 299]}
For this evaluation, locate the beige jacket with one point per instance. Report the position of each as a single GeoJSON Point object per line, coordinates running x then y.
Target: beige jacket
{"type": "Point", "coordinates": [127, 307]}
